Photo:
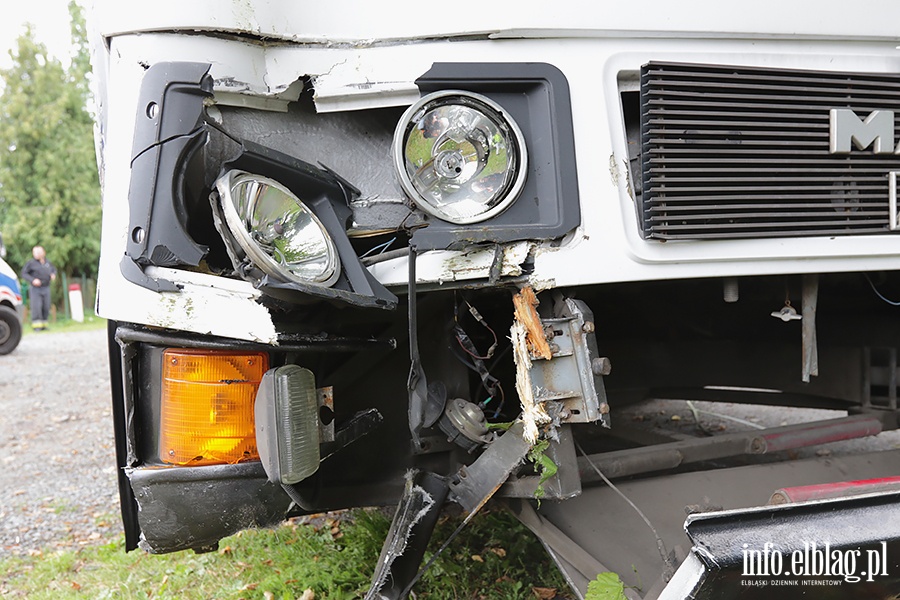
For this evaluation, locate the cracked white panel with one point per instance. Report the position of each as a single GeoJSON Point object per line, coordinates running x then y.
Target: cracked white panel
{"type": "Point", "coordinates": [355, 85]}
{"type": "Point", "coordinates": [208, 305]}
{"type": "Point", "coordinates": [446, 266]}
{"type": "Point", "coordinates": [608, 246]}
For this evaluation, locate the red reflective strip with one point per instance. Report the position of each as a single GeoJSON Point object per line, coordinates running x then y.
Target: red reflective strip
{"type": "Point", "coordinates": [822, 491]}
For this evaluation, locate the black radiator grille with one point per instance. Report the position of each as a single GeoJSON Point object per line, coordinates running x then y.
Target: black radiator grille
{"type": "Point", "coordinates": [737, 152]}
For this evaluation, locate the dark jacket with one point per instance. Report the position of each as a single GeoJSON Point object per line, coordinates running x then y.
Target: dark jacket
{"type": "Point", "coordinates": [35, 269]}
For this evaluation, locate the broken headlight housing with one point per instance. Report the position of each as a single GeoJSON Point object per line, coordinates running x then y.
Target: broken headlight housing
{"type": "Point", "coordinates": [459, 156]}
{"type": "Point", "coordinates": [276, 230]}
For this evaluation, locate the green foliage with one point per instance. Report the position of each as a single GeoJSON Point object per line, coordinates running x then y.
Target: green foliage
{"type": "Point", "coordinates": [49, 190]}
{"type": "Point", "coordinates": [607, 586]}
{"type": "Point", "coordinates": [543, 463]}
{"type": "Point", "coordinates": [494, 557]}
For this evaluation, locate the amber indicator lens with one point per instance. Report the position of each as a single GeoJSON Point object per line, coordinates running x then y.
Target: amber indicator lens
{"type": "Point", "coordinates": [206, 409]}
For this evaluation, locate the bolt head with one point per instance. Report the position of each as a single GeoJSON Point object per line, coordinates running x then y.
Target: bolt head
{"type": "Point", "coordinates": [588, 327]}
{"type": "Point", "coordinates": [601, 366]}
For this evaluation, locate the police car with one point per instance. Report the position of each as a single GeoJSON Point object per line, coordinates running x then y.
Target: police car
{"type": "Point", "coordinates": [10, 309]}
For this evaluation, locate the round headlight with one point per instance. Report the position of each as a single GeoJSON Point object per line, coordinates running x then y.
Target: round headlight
{"type": "Point", "coordinates": [279, 233]}
{"type": "Point", "coordinates": [459, 156]}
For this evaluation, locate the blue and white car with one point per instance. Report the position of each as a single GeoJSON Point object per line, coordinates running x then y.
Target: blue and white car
{"type": "Point", "coordinates": [11, 308]}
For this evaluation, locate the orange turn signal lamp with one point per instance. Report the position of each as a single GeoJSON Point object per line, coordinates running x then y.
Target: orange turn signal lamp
{"type": "Point", "coordinates": [207, 406]}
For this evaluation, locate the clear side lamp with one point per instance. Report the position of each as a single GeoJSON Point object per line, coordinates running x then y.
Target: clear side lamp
{"type": "Point", "coordinates": [287, 424]}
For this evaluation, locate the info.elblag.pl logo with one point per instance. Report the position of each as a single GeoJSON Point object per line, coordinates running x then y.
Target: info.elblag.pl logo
{"type": "Point", "coordinates": [815, 559]}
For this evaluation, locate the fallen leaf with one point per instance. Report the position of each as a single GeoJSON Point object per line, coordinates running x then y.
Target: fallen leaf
{"type": "Point", "coordinates": [544, 593]}
{"type": "Point", "coordinates": [607, 586]}
{"type": "Point", "coordinates": [499, 552]}
{"type": "Point", "coordinates": [676, 417]}
{"type": "Point", "coordinates": [308, 594]}
{"type": "Point", "coordinates": [76, 585]}
{"type": "Point", "coordinates": [477, 558]}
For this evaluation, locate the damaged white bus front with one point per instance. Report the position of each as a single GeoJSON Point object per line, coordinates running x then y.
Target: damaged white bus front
{"type": "Point", "coordinates": [354, 258]}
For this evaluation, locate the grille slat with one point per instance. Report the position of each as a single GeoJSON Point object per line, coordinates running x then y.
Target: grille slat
{"type": "Point", "coordinates": [831, 207]}
{"type": "Point", "coordinates": [739, 152]}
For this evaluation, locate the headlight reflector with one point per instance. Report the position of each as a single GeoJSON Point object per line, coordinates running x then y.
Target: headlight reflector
{"type": "Point", "coordinates": [277, 231]}
{"type": "Point", "coordinates": [459, 156]}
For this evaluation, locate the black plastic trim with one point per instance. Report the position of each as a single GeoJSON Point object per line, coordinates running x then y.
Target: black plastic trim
{"type": "Point", "coordinates": [168, 128]}
{"type": "Point", "coordinates": [170, 141]}
{"type": "Point", "coordinates": [286, 342]}
{"type": "Point", "coordinates": [194, 507]}
{"type": "Point", "coordinates": [127, 503]}
{"type": "Point", "coordinates": [536, 96]}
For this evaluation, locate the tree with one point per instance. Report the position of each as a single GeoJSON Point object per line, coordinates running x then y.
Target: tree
{"type": "Point", "coordinates": [49, 189]}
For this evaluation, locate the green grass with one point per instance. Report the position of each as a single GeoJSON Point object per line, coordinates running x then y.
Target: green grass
{"type": "Point", "coordinates": [493, 557]}
{"type": "Point", "coordinates": [91, 321]}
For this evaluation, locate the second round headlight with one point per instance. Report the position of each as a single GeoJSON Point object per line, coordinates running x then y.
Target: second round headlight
{"type": "Point", "coordinates": [459, 156]}
{"type": "Point", "coordinates": [278, 232]}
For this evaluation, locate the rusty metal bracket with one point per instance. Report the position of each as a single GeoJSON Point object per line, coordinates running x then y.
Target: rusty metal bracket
{"type": "Point", "coordinates": [474, 485]}
{"type": "Point", "coordinates": [574, 374]}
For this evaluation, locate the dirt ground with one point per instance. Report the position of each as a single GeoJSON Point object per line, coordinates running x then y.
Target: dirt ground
{"type": "Point", "coordinates": [57, 467]}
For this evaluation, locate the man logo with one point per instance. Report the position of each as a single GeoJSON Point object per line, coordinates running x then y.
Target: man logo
{"type": "Point", "coordinates": [846, 130]}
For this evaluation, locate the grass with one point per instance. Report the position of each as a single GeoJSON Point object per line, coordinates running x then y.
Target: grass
{"type": "Point", "coordinates": [91, 321]}
{"type": "Point", "coordinates": [493, 557]}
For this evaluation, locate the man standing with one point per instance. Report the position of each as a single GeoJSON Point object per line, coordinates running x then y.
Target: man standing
{"type": "Point", "coordinates": [39, 272]}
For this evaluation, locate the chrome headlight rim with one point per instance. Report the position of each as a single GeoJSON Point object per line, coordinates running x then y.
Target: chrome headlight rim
{"type": "Point", "coordinates": [510, 192]}
{"type": "Point", "coordinates": [239, 229]}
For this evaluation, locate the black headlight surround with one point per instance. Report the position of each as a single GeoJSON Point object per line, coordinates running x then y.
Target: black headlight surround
{"type": "Point", "coordinates": [536, 96]}
{"type": "Point", "coordinates": [327, 196]}
{"type": "Point", "coordinates": [177, 156]}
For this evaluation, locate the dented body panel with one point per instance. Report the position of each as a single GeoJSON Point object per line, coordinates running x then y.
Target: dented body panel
{"type": "Point", "coordinates": [606, 239]}
{"type": "Point", "coordinates": [684, 230]}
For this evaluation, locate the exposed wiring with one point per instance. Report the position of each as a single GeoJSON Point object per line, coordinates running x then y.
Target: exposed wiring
{"type": "Point", "coordinates": [670, 568]}
{"type": "Point", "coordinates": [384, 256]}
{"type": "Point", "coordinates": [382, 247]}
{"type": "Point", "coordinates": [877, 293]}
{"type": "Point", "coordinates": [463, 339]}
{"type": "Point", "coordinates": [490, 383]}
{"type": "Point", "coordinates": [473, 359]}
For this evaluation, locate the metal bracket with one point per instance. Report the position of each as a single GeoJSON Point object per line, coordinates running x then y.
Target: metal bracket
{"type": "Point", "coordinates": [574, 374]}
{"type": "Point", "coordinates": [474, 485]}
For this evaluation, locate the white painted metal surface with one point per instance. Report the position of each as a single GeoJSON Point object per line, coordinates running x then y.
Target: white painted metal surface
{"type": "Point", "coordinates": [358, 59]}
